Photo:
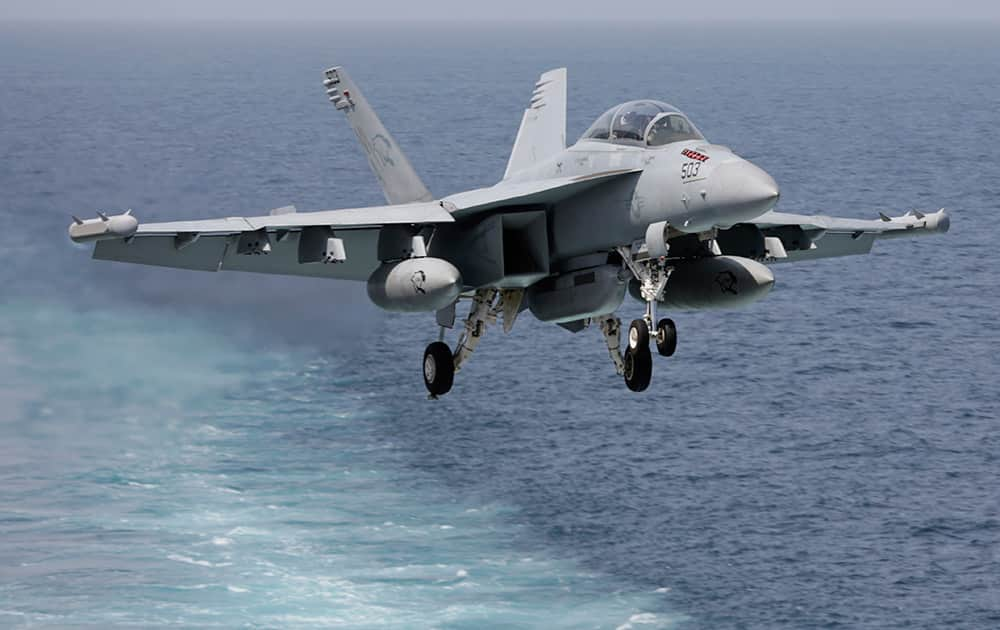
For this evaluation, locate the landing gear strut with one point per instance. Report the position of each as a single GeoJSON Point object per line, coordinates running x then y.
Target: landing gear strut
{"type": "Point", "coordinates": [636, 363]}
{"type": "Point", "coordinates": [611, 328]}
{"type": "Point", "coordinates": [653, 275]}
{"type": "Point", "coordinates": [440, 364]}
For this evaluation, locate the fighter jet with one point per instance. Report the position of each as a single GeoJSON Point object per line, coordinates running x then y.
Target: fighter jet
{"type": "Point", "coordinates": [641, 204]}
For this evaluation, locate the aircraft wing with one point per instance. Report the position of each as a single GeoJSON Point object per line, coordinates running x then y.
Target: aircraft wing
{"type": "Point", "coordinates": [793, 237]}
{"type": "Point", "coordinates": [288, 242]}
{"type": "Point", "coordinates": [285, 242]}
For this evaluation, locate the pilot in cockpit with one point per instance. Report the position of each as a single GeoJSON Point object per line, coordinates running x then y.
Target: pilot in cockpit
{"type": "Point", "coordinates": [631, 120]}
{"type": "Point", "coordinates": [671, 128]}
{"type": "Point", "coordinates": [647, 122]}
{"type": "Point", "coordinates": [631, 125]}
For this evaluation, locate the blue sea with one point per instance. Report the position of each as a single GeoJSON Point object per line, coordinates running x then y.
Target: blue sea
{"type": "Point", "coordinates": [220, 450]}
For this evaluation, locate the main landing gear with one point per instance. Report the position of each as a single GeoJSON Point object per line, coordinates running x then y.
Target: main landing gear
{"type": "Point", "coordinates": [439, 368]}
{"type": "Point", "coordinates": [440, 364]}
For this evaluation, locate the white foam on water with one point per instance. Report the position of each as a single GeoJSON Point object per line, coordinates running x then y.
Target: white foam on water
{"type": "Point", "coordinates": [176, 557]}
{"type": "Point", "coordinates": [247, 531]}
{"type": "Point", "coordinates": [136, 484]}
{"type": "Point", "coordinates": [228, 490]}
{"type": "Point", "coordinates": [642, 619]}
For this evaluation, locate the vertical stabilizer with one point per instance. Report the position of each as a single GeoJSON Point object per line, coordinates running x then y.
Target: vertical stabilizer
{"type": "Point", "coordinates": [543, 126]}
{"type": "Point", "coordinates": [399, 181]}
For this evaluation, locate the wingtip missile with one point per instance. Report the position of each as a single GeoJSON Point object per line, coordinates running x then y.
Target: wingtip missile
{"type": "Point", "coordinates": [915, 222]}
{"type": "Point", "coordinates": [104, 227]}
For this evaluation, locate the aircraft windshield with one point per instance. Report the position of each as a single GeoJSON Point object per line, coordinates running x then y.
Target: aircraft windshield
{"type": "Point", "coordinates": [671, 128]}
{"type": "Point", "coordinates": [629, 122]}
{"type": "Point", "coordinates": [601, 129]}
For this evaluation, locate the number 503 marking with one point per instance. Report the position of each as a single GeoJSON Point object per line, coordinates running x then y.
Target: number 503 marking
{"type": "Point", "coordinates": [690, 169]}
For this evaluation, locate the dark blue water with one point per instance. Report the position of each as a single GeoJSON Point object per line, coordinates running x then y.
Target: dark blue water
{"type": "Point", "coordinates": [217, 450]}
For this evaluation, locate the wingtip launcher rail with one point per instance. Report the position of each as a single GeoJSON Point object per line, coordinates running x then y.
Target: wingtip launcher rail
{"type": "Point", "coordinates": [104, 227]}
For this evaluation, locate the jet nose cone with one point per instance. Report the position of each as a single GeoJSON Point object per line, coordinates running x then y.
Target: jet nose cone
{"type": "Point", "coordinates": [761, 186]}
{"type": "Point", "coordinates": [743, 189]}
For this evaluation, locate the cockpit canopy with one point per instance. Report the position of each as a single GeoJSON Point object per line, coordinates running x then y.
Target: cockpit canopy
{"type": "Point", "coordinates": [650, 123]}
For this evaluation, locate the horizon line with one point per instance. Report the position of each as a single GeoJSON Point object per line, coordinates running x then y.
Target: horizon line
{"type": "Point", "coordinates": [487, 21]}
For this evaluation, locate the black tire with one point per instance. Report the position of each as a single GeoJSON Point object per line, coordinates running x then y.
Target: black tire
{"type": "Point", "coordinates": [439, 368]}
{"type": "Point", "coordinates": [638, 334]}
{"type": "Point", "coordinates": [638, 368]}
{"type": "Point", "coordinates": [666, 337]}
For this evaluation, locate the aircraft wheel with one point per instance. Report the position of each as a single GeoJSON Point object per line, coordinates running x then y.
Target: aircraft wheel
{"type": "Point", "coordinates": [638, 368]}
{"type": "Point", "coordinates": [638, 334]}
{"type": "Point", "coordinates": [666, 337]}
{"type": "Point", "coordinates": [439, 368]}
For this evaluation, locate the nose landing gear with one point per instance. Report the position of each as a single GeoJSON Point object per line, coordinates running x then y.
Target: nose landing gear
{"type": "Point", "coordinates": [636, 363]}
{"type": "Point", "coordinates": [666, 337]}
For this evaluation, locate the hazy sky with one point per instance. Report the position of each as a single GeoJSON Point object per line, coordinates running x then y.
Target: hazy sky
{"type": "Point", "coordinates": [630, 10]}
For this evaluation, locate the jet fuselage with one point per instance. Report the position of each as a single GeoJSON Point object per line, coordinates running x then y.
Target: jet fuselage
{"type": "Point", "coordinates": [693, 185]}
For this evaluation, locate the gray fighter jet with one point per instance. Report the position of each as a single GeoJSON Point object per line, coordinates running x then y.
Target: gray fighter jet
{"type": "Point", "coordinates": [642, 203]}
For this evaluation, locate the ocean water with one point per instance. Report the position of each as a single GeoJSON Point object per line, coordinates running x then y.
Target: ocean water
{"type": "Point", "coordinates": [224, 450]}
